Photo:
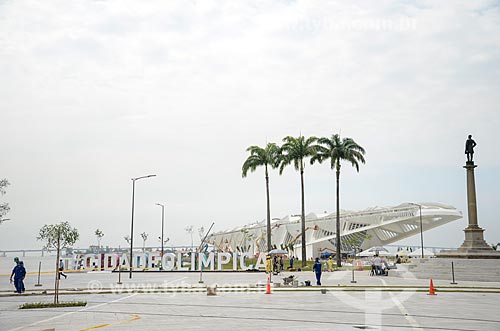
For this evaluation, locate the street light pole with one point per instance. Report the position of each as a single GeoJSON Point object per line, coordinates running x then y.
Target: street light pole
{"type": "Point", "coordinates": [199, 252]}
{"type": "Point", "coordinates": [421, 228]}
{"type": "Point", "coordinates": [162, 226]}
{"type": "Point", "coordinates": [132, 223]}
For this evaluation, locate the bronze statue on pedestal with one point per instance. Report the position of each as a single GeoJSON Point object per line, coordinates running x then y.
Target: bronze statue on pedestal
{"type": "Point", "coordinates": [469, 148]}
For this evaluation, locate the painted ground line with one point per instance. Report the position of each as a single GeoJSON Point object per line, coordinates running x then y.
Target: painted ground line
{"type": "Point", "coordinates": [72, 312]}
{"type": "Point", "coordinates": [403, 310]}
{"type": "Point", "coordinates": [134, 318]}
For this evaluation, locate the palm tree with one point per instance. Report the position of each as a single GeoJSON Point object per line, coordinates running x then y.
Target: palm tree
{"type": "Point", "coordinates": [296, 150]}
{"type": "Point", "coordinates": [339, 149]}
{"type": "Point", "coordinates": [99, 234]}
{"type": "Point", "coordinates": [144, 236]}
{"type": "Point", "coordinates": [267, 157]}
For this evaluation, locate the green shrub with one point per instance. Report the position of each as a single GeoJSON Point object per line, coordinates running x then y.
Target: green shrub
{"type": "Point", "coordinates": [35, 305]}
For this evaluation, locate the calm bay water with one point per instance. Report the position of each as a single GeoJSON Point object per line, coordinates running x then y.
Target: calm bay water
{"type": "Point", "coordinates": [30, 262]}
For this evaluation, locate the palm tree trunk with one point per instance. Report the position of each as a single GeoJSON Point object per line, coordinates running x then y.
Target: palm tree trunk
{"type": "Point", "coordinates": [338, 256]}
{"type": "Point", "coordinates": [268, 213]}
{"type": "Point", "coordinates": [303, 218]}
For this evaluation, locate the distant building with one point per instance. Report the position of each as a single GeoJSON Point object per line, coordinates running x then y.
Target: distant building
{"type": "Point", "coordinates": [360, 230]}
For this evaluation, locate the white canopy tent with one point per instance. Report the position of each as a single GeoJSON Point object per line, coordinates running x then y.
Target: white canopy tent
{"type": "Point", "coordinates": [372, 253]}
{"type": "Point", "coordinates": [418, 253]}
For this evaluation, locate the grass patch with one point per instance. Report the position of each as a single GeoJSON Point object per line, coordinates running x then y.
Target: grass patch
{"type": "Point", "coordinates": [37, 305]}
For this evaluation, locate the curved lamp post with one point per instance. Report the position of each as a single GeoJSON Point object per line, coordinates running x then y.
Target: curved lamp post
{"type": "Point", "coordinates": [132, 223]}
{"type": "Point", "coordinates": [421, 229]}
{"type": "Point", "coordinates": [4, 219]}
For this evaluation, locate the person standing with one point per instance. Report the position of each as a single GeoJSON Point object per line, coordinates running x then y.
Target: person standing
{"type": "Point", "coordinates": [61, 269]}
{"type": "Point", "coordinates": [317, 271]}
{"type": "Point", "coordinates": [19, 275]}
{"type": "Point", "coordinates": [291, 262]}
{"type": "Point", "coordinates": [281, 263]}
{"type": "Point", "coordinates": [377, 262]}
{"type": "Point", "coordinates": [330, 264]}
{"type": "Point", "coordinates": [275, 264]}
{"type": "Point", "coordinates": [398, 259]}
{"type": "Point", "coordinates": [268, 264]}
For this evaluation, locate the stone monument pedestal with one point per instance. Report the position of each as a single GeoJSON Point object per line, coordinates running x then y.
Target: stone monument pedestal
{"type": "Point", "coordinates": [474, 246]}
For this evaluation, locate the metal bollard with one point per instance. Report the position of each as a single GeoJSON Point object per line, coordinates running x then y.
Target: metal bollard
{"type": "Point", "coordinates": [119, 275]}
{"type": "Point", "coordinates": [39, 268]}
{"type": "Point", "coordinates": [453, 274]}
{"type": "Point", "coordinates": [353, 281]}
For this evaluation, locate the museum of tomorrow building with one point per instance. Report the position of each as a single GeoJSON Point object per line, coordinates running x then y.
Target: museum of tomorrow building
{"type": "Point", "coordinates": [360, 230]}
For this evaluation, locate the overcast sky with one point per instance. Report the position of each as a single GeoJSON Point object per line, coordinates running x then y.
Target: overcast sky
{"type": "Point", "coordinates": [93, 93]}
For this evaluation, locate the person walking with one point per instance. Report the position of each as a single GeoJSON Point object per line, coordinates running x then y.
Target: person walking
{"type": "Point", "coordinates": [61, 269]}
{"type": "Point", "coordinates": [16, 261]}
{"type": "Point", "coordinates": [317, 271]}
{"type": "Point", "coordinates": [19, 275]}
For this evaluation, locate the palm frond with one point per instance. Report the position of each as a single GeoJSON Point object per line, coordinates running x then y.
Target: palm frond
{"type": "Point", "coordinates": [297, 149]}
{"type": "Point", "coordinates": [339, 149]}
{"type": "Point", "coordinates": [270, 155]}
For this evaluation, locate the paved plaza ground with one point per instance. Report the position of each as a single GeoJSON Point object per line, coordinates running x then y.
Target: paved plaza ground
{"type": "Point", "coordinates": [176, 301]}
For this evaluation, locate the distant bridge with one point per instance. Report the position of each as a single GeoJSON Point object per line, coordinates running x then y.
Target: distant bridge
{"type": "Point", "coordinates": [433, 249]}
{"type": "Point", "coordinates": [90, 250]}
{"type": "Point", "coordinates": [24, 251]}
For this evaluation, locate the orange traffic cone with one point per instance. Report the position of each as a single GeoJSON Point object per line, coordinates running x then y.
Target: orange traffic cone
{"type": "Point", "coordinates": [431, 289]}
{"type": "Point", "coordinates": [268, 286]}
